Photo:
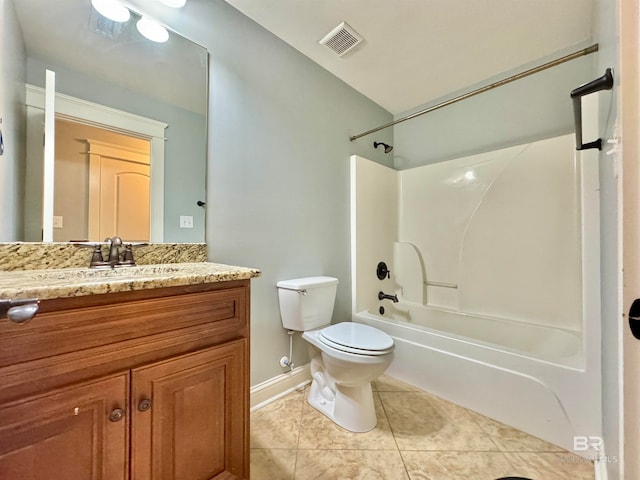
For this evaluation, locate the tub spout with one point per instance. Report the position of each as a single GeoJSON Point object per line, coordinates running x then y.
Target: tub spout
{"type": "Point", "coordinates": [383, 296]}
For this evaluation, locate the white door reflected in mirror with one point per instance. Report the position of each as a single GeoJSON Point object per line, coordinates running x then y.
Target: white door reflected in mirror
{"type": "Point", "coordinates": [119, 180]}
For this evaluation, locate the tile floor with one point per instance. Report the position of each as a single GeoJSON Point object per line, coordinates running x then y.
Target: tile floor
{"type": "Point", "coordinates": [418, 437]}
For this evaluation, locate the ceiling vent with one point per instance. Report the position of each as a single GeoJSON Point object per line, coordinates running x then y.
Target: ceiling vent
{"type": "Point", "coordinates": [105, 27]}
{"type": "Point", "coordinates": [342, 39]}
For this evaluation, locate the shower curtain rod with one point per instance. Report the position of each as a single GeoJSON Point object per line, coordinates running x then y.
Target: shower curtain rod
{"type": "Point", "coordinates": [580, 53]}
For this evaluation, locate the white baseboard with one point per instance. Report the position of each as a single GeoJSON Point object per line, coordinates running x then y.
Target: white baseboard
{"type": "Point", "coordinates": [268, 391]}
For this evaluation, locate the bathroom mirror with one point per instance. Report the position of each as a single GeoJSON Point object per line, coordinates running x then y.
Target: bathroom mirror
{"type": "Point", "coordinates": [110, 65]}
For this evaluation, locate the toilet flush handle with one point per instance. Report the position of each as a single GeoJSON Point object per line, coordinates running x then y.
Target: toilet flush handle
{"type": "Point", "coordinates": [303, 291]}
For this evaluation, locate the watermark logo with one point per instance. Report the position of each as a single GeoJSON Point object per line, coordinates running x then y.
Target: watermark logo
{"type": "Point", "coordinates": [582, 443]}
{"type": "Point", "coordinates": [585, 443]}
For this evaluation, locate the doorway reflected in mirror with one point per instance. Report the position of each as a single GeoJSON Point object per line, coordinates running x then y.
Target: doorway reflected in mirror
{"type": "Point", "coordinates": [101, 184]}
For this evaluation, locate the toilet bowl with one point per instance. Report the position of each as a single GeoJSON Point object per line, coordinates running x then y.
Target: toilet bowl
{"type": "Point", "coordinates": [345, 357]}
{"type": "Point", "coordinates": [342, 375]}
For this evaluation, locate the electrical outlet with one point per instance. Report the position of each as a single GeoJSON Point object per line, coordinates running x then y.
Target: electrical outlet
{"type": "Point", "coordinates": [186, 221]}
{"type": "Point", "coordinates": [57, 221]}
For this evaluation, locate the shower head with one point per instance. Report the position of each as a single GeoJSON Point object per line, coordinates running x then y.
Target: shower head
{"type": "Point", "coordinates": [387, 148]}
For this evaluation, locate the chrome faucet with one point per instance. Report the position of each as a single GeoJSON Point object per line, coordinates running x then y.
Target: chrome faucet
{"type": "Point", "coordinates": [384, 296]}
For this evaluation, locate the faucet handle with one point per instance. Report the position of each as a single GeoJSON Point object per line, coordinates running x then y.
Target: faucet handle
{"type": "Point", "coordinates": [127, 256]}
{"type": "Point", "coordinates": [96, 257]}
{"type": "Point", "coordinates": [97, 261]}
{"type": "Point", "coordinates": [88, 244]}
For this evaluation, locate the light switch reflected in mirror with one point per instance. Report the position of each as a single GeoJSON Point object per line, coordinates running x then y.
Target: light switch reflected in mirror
{"type": "Point", "coordinates": [113, 66]}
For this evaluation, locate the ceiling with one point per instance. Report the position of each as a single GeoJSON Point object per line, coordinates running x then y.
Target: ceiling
{"type": "Point", "coordinates": [416, 51]}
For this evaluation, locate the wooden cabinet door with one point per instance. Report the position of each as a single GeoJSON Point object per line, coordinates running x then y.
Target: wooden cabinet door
{"type": "Point", "coordinates": [68, 433]}
{"type": "Point", "coordinates": [193, 428]}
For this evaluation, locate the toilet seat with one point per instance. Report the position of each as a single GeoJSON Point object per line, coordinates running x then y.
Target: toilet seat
{"type": "Point", "coordinates": [356, 338]}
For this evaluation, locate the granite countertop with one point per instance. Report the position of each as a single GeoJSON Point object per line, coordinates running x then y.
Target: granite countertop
{"type": "Point", "coordinates": [73, 282]}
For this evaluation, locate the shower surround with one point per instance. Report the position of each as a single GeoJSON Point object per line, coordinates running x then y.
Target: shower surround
{"type": "Point", "coordinates": [495, 261]}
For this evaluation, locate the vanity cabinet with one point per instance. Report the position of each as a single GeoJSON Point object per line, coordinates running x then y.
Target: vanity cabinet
{"type": "Point", "coordinates": [143, 385]}
{"type": "Point", "coordinates": [188, 415]}
{"type": "Point", "coordinates": [46, 437]}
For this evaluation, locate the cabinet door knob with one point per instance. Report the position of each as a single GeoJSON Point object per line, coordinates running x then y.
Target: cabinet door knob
{"type": "Point", "coordinates": [144, 404]}
{"type": "Point", "coordinates": [116, 415]}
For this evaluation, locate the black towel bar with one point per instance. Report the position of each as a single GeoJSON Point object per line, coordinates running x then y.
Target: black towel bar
{"type": "Point", "coordinates": [605, 82]}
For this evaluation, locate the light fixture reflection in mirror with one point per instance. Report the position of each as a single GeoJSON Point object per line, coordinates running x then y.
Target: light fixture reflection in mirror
{"type": "Point", "coordinates": [152, 30]}
{"type": "Point", "coordinates": [174, 3]}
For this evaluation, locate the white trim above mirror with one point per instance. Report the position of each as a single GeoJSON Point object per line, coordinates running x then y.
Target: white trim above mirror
{"type": "Point", "coordinates": [75, 109]}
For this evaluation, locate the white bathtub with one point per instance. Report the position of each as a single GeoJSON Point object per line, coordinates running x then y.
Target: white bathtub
{"type": "Point", "coordinates": [562, 347]}
{"type": "Point", "coordinates": [531, 377]}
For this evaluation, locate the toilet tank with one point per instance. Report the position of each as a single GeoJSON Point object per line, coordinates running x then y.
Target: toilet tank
{"type": "Point", "coordinates": [306, 303]}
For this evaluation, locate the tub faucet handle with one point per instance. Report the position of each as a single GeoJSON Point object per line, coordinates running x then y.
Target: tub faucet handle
{"type": "Point", "coordinates": [382, 271]}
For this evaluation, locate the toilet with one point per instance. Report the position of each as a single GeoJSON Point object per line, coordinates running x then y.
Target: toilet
{"type": "Point", "coordinates": [345, 357]}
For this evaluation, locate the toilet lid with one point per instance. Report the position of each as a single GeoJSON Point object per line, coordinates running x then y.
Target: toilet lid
{"type": "Point", "coordinates": [356, 338]}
